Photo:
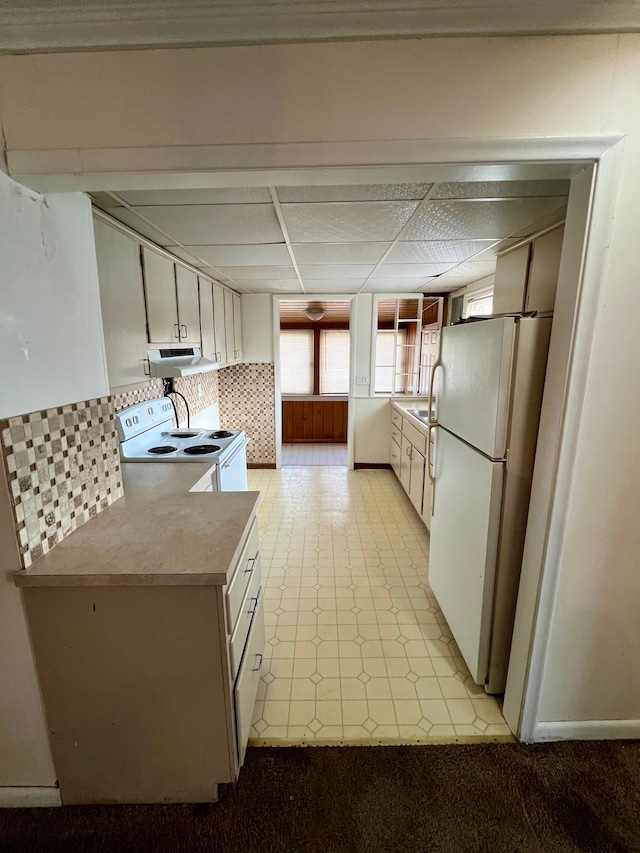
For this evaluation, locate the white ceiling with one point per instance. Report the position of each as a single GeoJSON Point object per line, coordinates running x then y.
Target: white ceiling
{"type": "Point", "coordinates": [44, 25]}
{"type": "Point", "coordinates": [404, 237]}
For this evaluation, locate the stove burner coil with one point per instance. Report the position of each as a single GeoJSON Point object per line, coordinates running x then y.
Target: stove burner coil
{"type": "Point", "coordinates": [162, 449]}
{"type": "Point", "coordinates": [201, 449]}
{"type": "Point", "coordinates": [221, 433]}
{"type": "Point", "coordinates": [184, 434]}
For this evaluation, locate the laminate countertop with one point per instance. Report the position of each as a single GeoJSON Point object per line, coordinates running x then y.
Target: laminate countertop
{"type": "Point", "coordinates": [158, 533]}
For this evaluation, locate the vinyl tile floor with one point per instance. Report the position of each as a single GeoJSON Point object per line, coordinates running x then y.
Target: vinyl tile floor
{"type": "Point", "coordinates": [314, 453]}
{"type": "Point", "coordinates": [357, 648]}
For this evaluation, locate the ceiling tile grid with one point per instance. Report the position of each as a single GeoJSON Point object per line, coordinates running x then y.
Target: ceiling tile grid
{"type": "Point", "coordinates": [343, 238]}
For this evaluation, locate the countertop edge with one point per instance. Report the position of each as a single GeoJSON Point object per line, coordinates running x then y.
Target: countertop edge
{"type": "Point", "coordinates": [31, 581]}
{"type": "Point", "coordinates": [413, 420]}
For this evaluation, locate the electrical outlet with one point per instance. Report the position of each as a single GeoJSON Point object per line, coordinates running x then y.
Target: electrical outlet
{"type": "Point", "coordinates": [362, 380]}
{"type": "Point", "coordinates": [200, 389]}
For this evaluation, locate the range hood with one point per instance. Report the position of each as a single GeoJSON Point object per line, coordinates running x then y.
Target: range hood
{"type": "Point", "coordinates": [179, 362]}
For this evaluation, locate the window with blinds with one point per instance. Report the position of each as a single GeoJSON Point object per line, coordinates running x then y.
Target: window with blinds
{"type": "Point", "coordinates": [296, 361]}
{"type": "Point", "coordinates": [334, 361]}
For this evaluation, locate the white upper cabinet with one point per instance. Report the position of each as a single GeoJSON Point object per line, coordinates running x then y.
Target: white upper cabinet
{"type": "Point", "coordinates": [510, 287]}
{"type": "Point", "coordinates": [207, 327]}
{"type": "Point", "coordinates": [527, 278]}
{"type": "Point", "coordinates": [160, 289]}
{"type": "Point", "coordinates": [543, 271]}
{"type": "Point", "coordinates": [122, 302]}
{"type": "Point", "coordinates": [188, 306]}
{"type": "Point", "coordinates": [229, 328]}
{"type": "Point", "coordinates": [237, 326]}
{"type": "Point", "coordinates": [219, 322]}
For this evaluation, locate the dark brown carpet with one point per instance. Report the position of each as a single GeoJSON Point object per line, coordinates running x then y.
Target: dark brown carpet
{"type": "Point", "coordinates": [489, 797]}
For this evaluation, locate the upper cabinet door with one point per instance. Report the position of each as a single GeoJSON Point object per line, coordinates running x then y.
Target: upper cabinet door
{"type": "Point", "coordinates": [122, 302]}
{"type": "Point", "coordinates": [237, 326]}
{"type": "Point", "coordinates": [219, 323]}
{"type": "Point", "coordinates": [160, 289]}
{"type": "Point", "coordinates": [510, 286]}
{"type": "Point", "coordinates": [543, 272]}
{"type": "Point", "coordinates": [206, 320]}
{"type": "Point", "coordinates": [188, 307]}
{"type": "Point", "coordinates": [230, 333]}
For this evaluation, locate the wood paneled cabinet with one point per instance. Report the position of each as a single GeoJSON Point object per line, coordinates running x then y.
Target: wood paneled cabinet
{"type": "Point", "coordinates": [122, 303]}
{"type": "Point", "coordinates": [527, 277]}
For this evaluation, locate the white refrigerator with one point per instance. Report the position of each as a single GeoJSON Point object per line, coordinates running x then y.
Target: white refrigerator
{"type": "Point", "coordinates": [487, 410]}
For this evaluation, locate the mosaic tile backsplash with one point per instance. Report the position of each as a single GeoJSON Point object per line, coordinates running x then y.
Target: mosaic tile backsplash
{"type": "Point", "coordinates": [62, 468]}
{"type": "Point", "coordinates": [247, 401]}
{"type": "Point", "coordinates": [63, 464]}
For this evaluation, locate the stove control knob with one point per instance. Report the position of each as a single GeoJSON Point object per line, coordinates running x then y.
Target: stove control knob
{"type": "Point", "coordinates": [150, 410]}
{"type": "Point", "coordinates": [135, 419]}
{"type": "Point", "coordinates": [128, 422]}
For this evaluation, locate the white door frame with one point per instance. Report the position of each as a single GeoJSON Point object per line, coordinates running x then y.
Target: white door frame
{"type": "Point", "coordinates": [305, 297]}
{"type": "Point", "coordinates": [423, 160]}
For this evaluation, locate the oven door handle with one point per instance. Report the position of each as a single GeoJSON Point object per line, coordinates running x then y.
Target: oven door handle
{"type": "Point", "coordinates": [234, 454]}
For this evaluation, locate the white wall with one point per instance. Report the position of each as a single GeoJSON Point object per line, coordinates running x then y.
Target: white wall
{"type": "Point", "coordinates": [440, 89]}
{"type": "Point", "coordinates": [51, 353]}
{"type": "Point", "coordinates": [51, 347]}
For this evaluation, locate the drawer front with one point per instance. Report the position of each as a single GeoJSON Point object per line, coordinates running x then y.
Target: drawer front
{"type": "Point", "coordinates": [418, 439]}
{"type": "Point", "coordinates": [241, 629]}
{"type": "Point", "coordinates": [242, 576]}
{"type": "Point", "coordinates": [396, 435]}
{"type": "Point", "coordinates": [248, 680]}
{"type": "Point", "coordinates": [396, 419]}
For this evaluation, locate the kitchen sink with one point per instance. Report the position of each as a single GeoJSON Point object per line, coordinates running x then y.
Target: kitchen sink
{"type": "Point", "coordinates": [421, 414]}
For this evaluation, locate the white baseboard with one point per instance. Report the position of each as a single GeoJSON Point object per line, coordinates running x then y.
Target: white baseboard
{"type": "Point", "coordinates": [588, 730]}
{"type": "Point", "coordinates": [29, 797]}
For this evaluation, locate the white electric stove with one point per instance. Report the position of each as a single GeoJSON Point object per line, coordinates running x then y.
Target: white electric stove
{"type": "Point", "coordinates": [147, 434]}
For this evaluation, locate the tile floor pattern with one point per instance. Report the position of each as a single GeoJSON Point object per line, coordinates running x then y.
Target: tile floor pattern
{"type": "Point", "coordinates": [357, 648]}
{"type": "Point", "coordinates": [312, 453]}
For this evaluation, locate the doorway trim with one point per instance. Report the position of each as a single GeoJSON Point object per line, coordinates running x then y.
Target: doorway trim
{"type": "Point", "coordinates": [388, 161]}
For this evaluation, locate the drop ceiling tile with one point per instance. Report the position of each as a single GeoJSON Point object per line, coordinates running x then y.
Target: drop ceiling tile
{"type": "Point", "coordinates": [336, 271]}
{"type": "Point", "coordinates": [355, 192]}
{"type": "Point", "coordinates": [455, 220]}
{"type": "Point", "coordinates": [192, 258]}
{"type": "Point", "coordinates": [251, 273]}
{"type": "Point", "coordinates": [195, 225]}
{"type": "Point", "coordinates": [480, 269]}
{"type": "Point", "coordinates": [225, 195]}
{"type": "Point", "coordinates": [436, 251]}
{"type": "Point", "coordinates": [490, 254]}
{"type": "Point", "coordinates": [436, 286]}
{"type": "Point", "coordinates": [327, 285]}
{"type": "Point", "coordinates": [265, 254]}
{"type": "Point", "coordinates": [347, 222]}
{"type": "Point", "coordinates": [455, 281]}
{"type": "Point", "coordinates": [391, 271]}
{"type": "Point", "coordinates": [339, 253]}
{"type": "Point", "coordinates": [269, 286]}
{"type": "Point", "coordinates": [408, 284]}
{"type": "Point", "coordinates": [501, 189]}
{"type": "Point", "coordinates": [396, 285]}
{"type": "Point", "coordinates": [139, 225]}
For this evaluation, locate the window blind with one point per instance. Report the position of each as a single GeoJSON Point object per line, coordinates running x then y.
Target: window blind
{"type": "Point", "coordinates": [334, 361]}
{"type": "Point", "coordinates": [296, 361]}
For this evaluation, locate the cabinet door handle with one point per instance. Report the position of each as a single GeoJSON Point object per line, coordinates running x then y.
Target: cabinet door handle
{"type": "Point", "coordinates": [251, 564]}
{"type": "Point", "coordinates": [256, 668]}
{"type": "Point", "coordinates": [146, 367]}
{"type": "Point", "coordinates": [183, 334]}
{"type": "Point", "coordinates": [176, 330]}
{"type": "Point", "coordinates": [255, 606]}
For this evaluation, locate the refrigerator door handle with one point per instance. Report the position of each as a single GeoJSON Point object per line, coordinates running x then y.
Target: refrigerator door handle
{"type": "Point", "coordinates": [429, 462]}
{"type": "Point", "coordinates": [437, 363]}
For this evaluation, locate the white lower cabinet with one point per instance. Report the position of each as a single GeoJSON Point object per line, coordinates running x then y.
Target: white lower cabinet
{"type": "Point", "coordinates": [149, 690]}
{"type": "Point", "coordinates": [409, 460]}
